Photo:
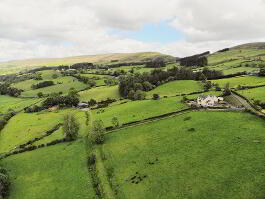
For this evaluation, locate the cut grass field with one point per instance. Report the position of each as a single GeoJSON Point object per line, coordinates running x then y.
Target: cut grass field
{"type": "Point", "coordinates": [254, 94]}
{"type": "Point", "coordinates": [196, 155]}
{"type": "Point", "coordinates": [176, 88]}
{"type": "Point", "coordinates": [138, 110]}
{"type": "Point", "coordinates": [100, 93]}
{"type": "Point", "coordinates": [53, 172]}
{"type": "Point", "coordinates": [14, 103]}
{"type": "Point", "coordinates": [241, 80]}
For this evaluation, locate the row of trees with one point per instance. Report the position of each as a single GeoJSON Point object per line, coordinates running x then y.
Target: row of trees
{"type": "Point", "coordinates": [6, 89]}
{"type": "Point", "coordinates": [132, 83]}
{"type": "Point", "coordinates": [42, 84]}
{"type": "Point", "coordinates": [157, 62]}
{"type": "Point", "coordinates": [4, 119]}
{"type": "Point", "coordinates": [4, 183]}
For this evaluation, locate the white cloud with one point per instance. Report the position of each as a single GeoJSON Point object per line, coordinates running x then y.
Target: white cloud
{"type": "Point", "coordinates": [55, 28]}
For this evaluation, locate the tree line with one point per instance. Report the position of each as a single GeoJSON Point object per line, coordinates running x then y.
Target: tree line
{"type": "Point", "coordinates": [132, 86]}
{"type": "Point", "coordinates": [195, 60]}
{"type": "Point", "coordinates": [42, 84]}
{"type": "Point", "coordinates": [6, 89]}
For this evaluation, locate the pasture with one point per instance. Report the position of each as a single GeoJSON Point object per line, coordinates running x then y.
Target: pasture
{"type": "Point", "coordinates": [53, 172]}
{"type": "Point", "coordinates": [195, 155]}
{"type": "Point", "coordinates": [100, 93]}
{"type": "Point", "coordinates": [176, 88]}
{"type": "Point", "coordinates": [254, 94]}
{"type": "Point", "coordinates": [16, 104]}
{"type": "Point", "coordinates": [138, 110]}
{"type": "Point", "coordinates": [240, 80]}
{"type": "Point", "coordinates": [62, 84]}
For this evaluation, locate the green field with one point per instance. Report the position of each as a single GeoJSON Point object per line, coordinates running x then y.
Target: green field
{"type": "Point", "coordinates": [24, 126]}
{"type": "Point", "coordinates": [254, 94]}
{"type": "Point", "coordinates": [52, 172]}
{"type": "Point", "coordinates": [167, 160]}
{"type": "Point", "coordinates": [62, 84]}
{"type": "Point", "coordinates": [100, 93]}
{"type": "Point", "coordinates": [138, 110]}
{"type": "Point", "coordinates": [16, 104]}
{"type": "Point", "coordinates": [241, 80]}
{"type": "Point", "coordinates": [176, 88]}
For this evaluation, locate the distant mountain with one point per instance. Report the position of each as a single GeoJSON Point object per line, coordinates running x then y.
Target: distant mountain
{"type": "Point", "coordinates": [98, 59]}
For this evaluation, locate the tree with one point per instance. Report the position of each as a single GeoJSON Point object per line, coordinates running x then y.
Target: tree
{"type": "Point", "coordinates": [139, 95]}
{"type": "Point", "coordinates": [92, 102]}
{"type": "Point", "coordinates": [40, 94]}
{"type": "Point", "coordinates": [115, 122]}
{"type": "Point", "coordinates": [88, 118]}
{"type": "Point", "coordinates": [207, 85]}
{"type": "Point", "coordinates": [156, 96]}
{"type": "Point", "coordinates": [98, 131]}
{"type": "Point", "coordinates": [70, 127]}
{"type": "Point", "coordinates": [227, 90]}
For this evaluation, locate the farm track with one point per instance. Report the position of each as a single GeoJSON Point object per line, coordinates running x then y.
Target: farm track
{"type": "Point", "coordinates": [246, 104]}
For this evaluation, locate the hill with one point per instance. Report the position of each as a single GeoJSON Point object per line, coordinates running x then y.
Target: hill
{"type": "Point", "coordinates": [11, 66]}
{"type": "Point", "coordinates": [255, 45]}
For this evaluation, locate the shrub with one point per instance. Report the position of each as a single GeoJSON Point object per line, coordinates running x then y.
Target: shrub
{"type": "Point", "coordinates": [156, 96]}
{"type": "Point", "coordinates": [115, 122]}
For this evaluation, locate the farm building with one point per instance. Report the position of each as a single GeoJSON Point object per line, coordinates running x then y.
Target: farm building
{"type": "Point", "coordinates": [209, 100]}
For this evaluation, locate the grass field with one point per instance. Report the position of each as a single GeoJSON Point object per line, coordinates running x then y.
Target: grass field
{"type": "Point", "coordinates": [169, 159]}
{"type": "Point", "coordinates": [241, 80]}
{"type": "Point", "coordinates": [138, 110]}
{"type": "Point", "coordinates": [254, 94]}
{"type": "Point", "coordinates": [16, 104]}
{"type": "Point", "coordinates": [100, 93]}
{"type": "Point", "coordinates": [176, 88]}
{"type": "Point", "coordinates": [24, 126]}
{"type": "Point", "coordinates": [52, 172]}
{"type": "Point", "coordinates": [62, 84]}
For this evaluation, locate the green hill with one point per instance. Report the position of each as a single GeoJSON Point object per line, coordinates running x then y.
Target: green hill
{"type": "Point", "coordinates": [13, 66]}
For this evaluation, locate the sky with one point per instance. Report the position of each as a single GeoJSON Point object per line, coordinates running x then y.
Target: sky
{"type": "Point", "coordinates": [61, 28]}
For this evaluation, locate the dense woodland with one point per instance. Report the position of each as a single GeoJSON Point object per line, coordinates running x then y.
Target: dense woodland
{"type": "Point", "coordinates": [195, 60]}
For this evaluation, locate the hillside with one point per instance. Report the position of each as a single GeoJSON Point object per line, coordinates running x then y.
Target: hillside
{"type": "Point", "coordinates": [111, 133]}
{"type": "Point", "coordinates": [99, 59]}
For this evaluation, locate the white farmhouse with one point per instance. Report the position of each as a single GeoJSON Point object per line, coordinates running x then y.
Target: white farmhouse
{"type": "Point", "coordinates": [209, 100]}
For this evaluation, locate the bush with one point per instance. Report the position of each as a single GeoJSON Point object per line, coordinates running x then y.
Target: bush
{"type": "Point", "coordinates": [156, 96]}
{"type": "Point", "coordinates": [115, 122]}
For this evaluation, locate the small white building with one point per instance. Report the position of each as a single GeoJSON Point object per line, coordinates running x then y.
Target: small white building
{"type": "Point", "coordinates": [209, 100]}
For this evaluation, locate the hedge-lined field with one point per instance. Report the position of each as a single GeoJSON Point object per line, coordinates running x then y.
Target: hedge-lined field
{"type": "Point", "coordinates": [196, 155]}
{"type": "Point", "coordinates": [62, 84]}
{"type": "Point", "coordinates": [176, 88]}
{"type": "Point", "coordinates": [100, 93]}
{"type": "Point", "coordinates": [241, 80]}
{"type": "Point", "coordinates": [16, 104]}
{"type": "Point", "coordinates": [254, 94]}
{"type": "Point", "coordinates": [138, 110]}
{"type": "Point", "coordinates": [53, 172]}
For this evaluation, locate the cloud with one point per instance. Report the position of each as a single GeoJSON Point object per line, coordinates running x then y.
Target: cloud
{"type": "Point", "coordinates": [56, 28]}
